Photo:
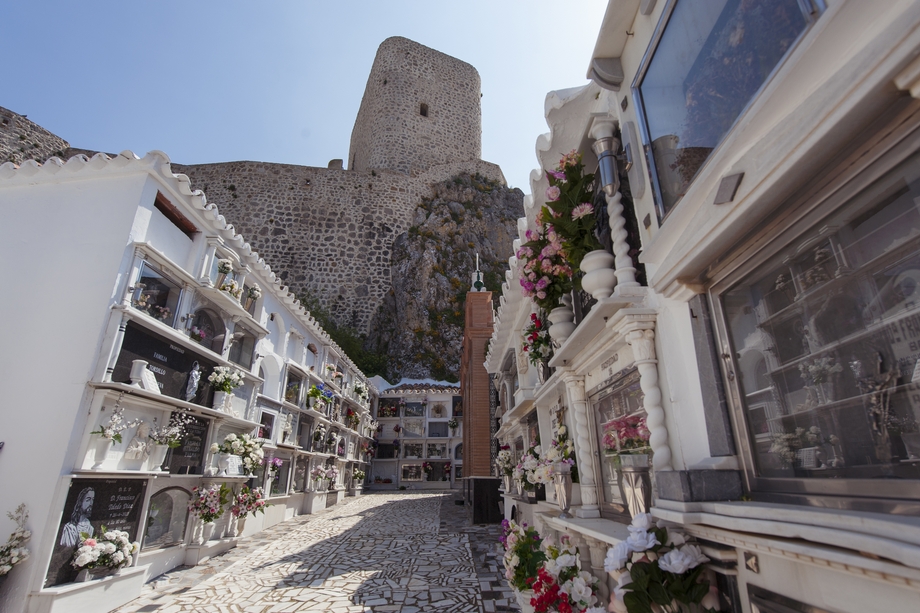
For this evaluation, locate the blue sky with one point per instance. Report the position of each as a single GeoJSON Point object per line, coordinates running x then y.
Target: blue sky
{"type": "Point", "coordinates": [208, 81]}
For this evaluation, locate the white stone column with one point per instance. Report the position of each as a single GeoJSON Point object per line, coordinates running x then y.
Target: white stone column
{"type": "Point", "coordinates": [584, 446]}
{"type": "Point", "coordinates": [642, 341]}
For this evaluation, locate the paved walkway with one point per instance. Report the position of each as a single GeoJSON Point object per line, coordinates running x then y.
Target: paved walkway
{"type": "Point", "coordinates": [395, 552]}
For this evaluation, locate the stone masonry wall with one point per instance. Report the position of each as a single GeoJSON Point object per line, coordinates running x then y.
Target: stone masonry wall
{"type": "Point", "coordinates": [324, 230]}
{"type": "Point", "coordinates": [390, 131]}
{"type": "Point", "coordinates": [21, 140]}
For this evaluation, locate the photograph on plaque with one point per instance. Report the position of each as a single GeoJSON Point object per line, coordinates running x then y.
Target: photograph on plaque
{"type": "Point", "coordinates": [91, 504]}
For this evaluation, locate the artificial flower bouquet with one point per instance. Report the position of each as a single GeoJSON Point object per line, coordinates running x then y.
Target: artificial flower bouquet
{"type": "Point", "coordinates": [546, 275]}
{"type": "Point", "coordinates": [656, 566]}
{"type": "Point", "coordinates": [116, 425]}
{"type": "Point", "coordinates": [254, 291]}
{"type": "Point", "coordinates": [172, 432]}
{"type": "Point", "coordinates": [569, 204]}
{"type": "Point", "coordinates": [13, 552]}
{"type": "Point", "coordinates": [249, 501]}
{"type": "Point", "coordinates": [113, 549]}
{"type": "Point", "coordinates": [453, 424]}
{"type": "Point", "coordinates": [225, 266]}
{"type": "Point", "coordinates": [226, 379]}
{"type": "Point", "coordinates": [332, 473]}
{"type": "Point", "coordinates": [358, 476]}
{"type": "Point", "coordinates": [526, 467]}
{"type": "Point", "coordinates": [818, 370]}
{"type": "Point", "coordinates": [562, 451]}
{"type": "Point", "coordinates": [207, 503]}
{"type": "Point", "coordinates": [244, 445]}
{"type": "Point", "coordinates": [629, 434]}
{"type": "Point", "coordinates": [523, 555]}
{"type": "Point", "coordinates": [537, 344]}
{"type": "Point", "coordinates": [318, 474]}
{"type": "Point", "coordinates": [561, 586]}
{"type": "Point", "coordinates": [427, 467]}
{"type": "Point", "coordinates": [505, 461]}
{"type": "Point", "coordinates": [274, 465]}
{"type": "Point", "coordinates": [233, 288]}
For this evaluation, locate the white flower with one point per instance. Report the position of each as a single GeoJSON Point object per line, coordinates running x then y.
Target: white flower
{"type": "Point", "coordinates": [538, 449]}
{"type": "Point", "coordinates": [565, 560]}
{"type": "Point", "coordinates": [640, 541]}
{"type": "Point", "coordinates": [617, 556]}
{"type": "Point", "coordinates": [678, 561]}
{"type": "Point", "coordinates": [581, 591]}
{"type": "Point", "coordinates": [643, 522]}
{"type": "Point", "coordinates": [675, 538]}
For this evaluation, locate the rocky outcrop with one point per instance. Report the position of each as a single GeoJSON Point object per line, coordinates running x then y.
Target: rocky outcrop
{"type": "Point", "coordinates": [419, 325]}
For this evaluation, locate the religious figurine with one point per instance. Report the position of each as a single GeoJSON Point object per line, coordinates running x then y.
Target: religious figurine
{"type": "Point", "coordinates": [138, 447]}
{"type": "Point", "coordinates": [191, 388]}
{"type": "Point", "coordinates": [287, 425]}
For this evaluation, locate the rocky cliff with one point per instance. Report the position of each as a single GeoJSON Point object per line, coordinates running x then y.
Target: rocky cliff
{"type": "Point", "coordinates": [419, 325]}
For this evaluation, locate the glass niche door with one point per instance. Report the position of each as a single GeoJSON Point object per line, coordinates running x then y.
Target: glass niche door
{"type": "Point", "coordinates": [826, 340]}
{"type": "Point", "coordinates": [620, 419]}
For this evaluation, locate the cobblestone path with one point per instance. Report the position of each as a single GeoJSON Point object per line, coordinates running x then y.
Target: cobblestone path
{"type": "Point", "coordinates": [400, 552]}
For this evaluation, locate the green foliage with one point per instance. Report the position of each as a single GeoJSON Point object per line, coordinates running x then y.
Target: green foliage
{"type": "Point", "coordinates": [348, 338]}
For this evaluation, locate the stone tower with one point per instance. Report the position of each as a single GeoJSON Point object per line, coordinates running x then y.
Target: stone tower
{"type": "Point", "coordinates": [421, 108]}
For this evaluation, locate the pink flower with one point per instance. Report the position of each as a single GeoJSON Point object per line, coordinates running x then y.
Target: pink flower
{"type": "Point", "coordinates": [553, 193]}
{"type": "Point", "coordinates": [582, 210]}
{"type": "Point", "coordinates": [90, 542]}
{"type": "Point", "coordinates": [559, 176]}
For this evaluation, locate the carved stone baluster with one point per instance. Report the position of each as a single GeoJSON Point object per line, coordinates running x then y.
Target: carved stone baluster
{"type": "Point", "coordinates": [642, 342]}
{"type": "Point", "coordinates": [623, 264]}
{"type": "Point", "coordinates": [598, 551]}
{"type": "Point", "coordinates": [584, 446]}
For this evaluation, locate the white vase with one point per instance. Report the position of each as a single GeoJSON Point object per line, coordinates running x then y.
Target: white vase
{"type": "Point", "coordinates": [102, 446]}
{"type": "Point", "coordinates": [207, 531]}
{"type": "Point", "coordinates": [600, 278]}
{"type": "Point", "coordinates": [561, 317]}
{"type": "Point", "coordinates": [523, 600]}
{"type": "Point", "coordinates": [222, 401]}
{"type": "Point", "coordinates": [157, 457]}
{"type": "Point", "coordinates": [223, 463]}
{"type": "Point", "coordinates": [240, 525]}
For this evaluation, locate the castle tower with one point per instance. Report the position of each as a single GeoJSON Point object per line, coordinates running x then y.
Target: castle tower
{"type": "Point", "coordinates": [420, 108]}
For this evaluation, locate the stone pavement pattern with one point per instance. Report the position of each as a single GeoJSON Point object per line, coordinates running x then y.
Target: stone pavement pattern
{"type": "Point", "coordinates": [394, 552]}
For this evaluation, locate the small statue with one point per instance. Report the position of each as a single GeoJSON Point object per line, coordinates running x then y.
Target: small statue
{"type": "Point", "coordinates": [287, 426]}
{"type": "Point", "coordinates": [191, 388]}
{"type": "Point", "coordinates": [138, 447]}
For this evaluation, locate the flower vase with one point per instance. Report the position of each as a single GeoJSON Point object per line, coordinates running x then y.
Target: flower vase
{"type": "Point", "coordinates": [635, 483]}
{"type": "Point", "coordinates": [88, 574]}
{"type": "Point", "coordinates": [247, 304]}
{"type": "Point", "coordinates": [223, 463]}
{"type": "Point", "coordinates": [207, 531]}
{"type": "Point", "coordinates": [523, 600]}
{"type": "Point", "coordinates": [562, 323]}
{"type": "Point", "coordinates": [600, 277]}
{"type": "Point", "coordinates": [221, 277]}
{"type": "Point", "coordinates": [240, 525]}
{"type": "Point", "coordinates": [222, 401]}
{"type": "Point", "coordinates": [101, 451]}
{"type": "Point", "coordinates": [157, 457]}
{"type": "Point", "coordinates": [562, 482]}
{"type": "Point", "coordinates": [825, 392]}
{"type": "Point", "coordinates": [506, 483]}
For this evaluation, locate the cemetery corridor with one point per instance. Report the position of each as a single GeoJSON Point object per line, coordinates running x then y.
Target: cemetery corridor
{"type": "Point", "coordinates": [406, 552]}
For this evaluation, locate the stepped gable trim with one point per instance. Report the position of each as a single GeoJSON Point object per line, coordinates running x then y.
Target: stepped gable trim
{"type": "Point", "coordinates": [157, 163]}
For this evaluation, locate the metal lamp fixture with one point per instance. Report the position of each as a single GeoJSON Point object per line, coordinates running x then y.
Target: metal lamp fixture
{"type": "Point", "coordinates": [605, 148]}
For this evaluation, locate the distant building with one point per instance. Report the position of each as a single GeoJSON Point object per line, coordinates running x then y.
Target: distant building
{"type": "Point", "coordinates": [419, 442]}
